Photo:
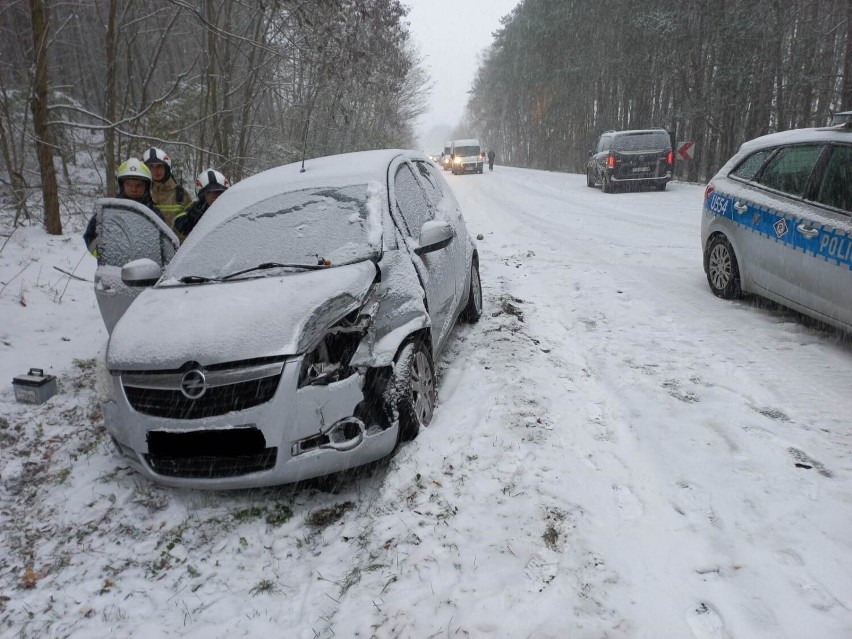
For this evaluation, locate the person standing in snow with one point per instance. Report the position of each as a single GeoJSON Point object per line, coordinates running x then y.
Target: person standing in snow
{"type": "Point", "coordinates": [209, 185]}
{"type": "Point", "coordinates": [169, 196]}
{"type": "Point", "coordinates": [491, 156]}
{"type": "Point", "coordinates": [134, 183]}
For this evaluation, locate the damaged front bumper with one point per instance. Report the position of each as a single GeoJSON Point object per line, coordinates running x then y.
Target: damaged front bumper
{"type": "Point", "coordinates": [295, 434]}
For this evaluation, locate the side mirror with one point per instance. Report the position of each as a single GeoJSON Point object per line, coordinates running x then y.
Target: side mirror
{"type": "Point", "coordinates": [141, 272]}
{"type": "Point", "coordinates": [591, 153]}
{"type": "Point", "coordinates": [434, 236]}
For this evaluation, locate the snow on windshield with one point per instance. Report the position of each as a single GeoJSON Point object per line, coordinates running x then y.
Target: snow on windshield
{"type": "Point", "coordinates": [338, 224]}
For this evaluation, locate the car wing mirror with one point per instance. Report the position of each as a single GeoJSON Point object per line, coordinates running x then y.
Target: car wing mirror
{"type": "Point", "coordinates": [141, 272]}
{"type": "Point", "coordinates": [434, 236]}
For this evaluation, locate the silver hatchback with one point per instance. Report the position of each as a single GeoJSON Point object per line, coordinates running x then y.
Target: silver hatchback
{"type": "Point", "coordinates": [294, 333]}
{"type": "Point", "coordinates": [777, 223]}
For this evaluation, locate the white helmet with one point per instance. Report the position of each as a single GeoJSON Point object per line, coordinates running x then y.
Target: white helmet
{"type": "Point", "coordinates": [210, 180]}
{"type": "Point", "coordinates": [156, 156]}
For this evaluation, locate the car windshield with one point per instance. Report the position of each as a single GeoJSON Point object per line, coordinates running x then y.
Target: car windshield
{"type": "Point", "coordinates": [336, 225]}
{"type": "Point", "coordinates": [650, 141]}
{"type": "Point", "coordinates": [464, 151]}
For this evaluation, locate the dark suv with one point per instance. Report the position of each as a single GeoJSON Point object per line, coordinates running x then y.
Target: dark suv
{"type": "Point", "coordinates": [631, 157]}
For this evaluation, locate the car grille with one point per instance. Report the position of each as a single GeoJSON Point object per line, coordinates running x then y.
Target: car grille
{"type": "Point", "coordinates": [209, 454]}
{"type": "Point", "coordinates": [227, 388]}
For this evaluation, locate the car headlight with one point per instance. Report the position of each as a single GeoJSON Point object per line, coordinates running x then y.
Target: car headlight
{"type": "Point", "coordinates": [328, 361]}
{"type": "Point", "coordinates": [457, 160]}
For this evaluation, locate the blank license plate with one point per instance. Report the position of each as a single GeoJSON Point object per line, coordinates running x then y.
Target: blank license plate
{"type": "Point", "coordinates": [641, 169]}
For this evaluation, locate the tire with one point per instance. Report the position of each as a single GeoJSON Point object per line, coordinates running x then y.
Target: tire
{"type": "Point", "coordinates": [414, 388]}
{"type": "Point", "coordinates": [661, 186]}
{"type": "Point", "coordinates": [723, 272]}
{"type": "Point", "coordinates": [473, 309]}
{"type": "Point", "coordinates": [607, 186]}
{"type": "Point", "coordinates": [590, 182]}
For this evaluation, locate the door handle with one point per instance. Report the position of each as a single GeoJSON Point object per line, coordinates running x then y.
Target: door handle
{"type": "Point", "coordinates": [740, 207]}
{"type": "Point", "coordinates": [807, 231]}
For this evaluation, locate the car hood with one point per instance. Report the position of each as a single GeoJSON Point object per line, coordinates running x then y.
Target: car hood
{"type": "Point", "coordinates": [241, 319]}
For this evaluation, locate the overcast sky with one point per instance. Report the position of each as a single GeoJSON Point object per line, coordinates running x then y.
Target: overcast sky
{"type": "Point", "coordinates": [451, 34]}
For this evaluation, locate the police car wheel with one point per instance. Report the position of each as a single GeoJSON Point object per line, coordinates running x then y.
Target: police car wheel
{"type": "Point", "coordinates": [723, 273]}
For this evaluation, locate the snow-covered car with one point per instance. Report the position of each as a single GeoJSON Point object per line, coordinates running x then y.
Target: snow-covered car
{"type": "Point", "coordinates": [293, 334]}
{"type": "Point", "coordinates": [777, 223]}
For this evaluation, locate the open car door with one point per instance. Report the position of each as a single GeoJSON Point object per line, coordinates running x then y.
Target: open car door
{"type": "Point", "coordinates": [127, 231]}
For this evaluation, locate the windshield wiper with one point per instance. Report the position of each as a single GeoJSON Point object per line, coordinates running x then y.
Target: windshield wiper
{"type": "Point", "coordinates": [268, 265]}
{"type": "Point", "coordinates": [195, 279]}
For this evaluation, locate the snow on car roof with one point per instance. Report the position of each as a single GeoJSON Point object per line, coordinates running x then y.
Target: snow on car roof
{"type": "Point", "coordinates": [822, 134]}
{"type": "Point", "coordinates": [335, 170]}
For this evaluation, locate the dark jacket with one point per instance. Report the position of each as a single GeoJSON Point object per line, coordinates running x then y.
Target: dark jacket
{"type": "Point", "coordinates": [91, 233]}
{"type": "Point", "coordinates": [186, 221]}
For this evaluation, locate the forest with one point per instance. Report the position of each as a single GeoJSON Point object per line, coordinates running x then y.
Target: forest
{"type": "Point", "coordinates": [717, 72]}
{"type": "Point", "coordinates": [238, 85]}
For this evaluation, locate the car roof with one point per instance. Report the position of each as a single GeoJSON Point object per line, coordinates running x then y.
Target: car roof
{"type": "Point", "coordinates": [837, 133]}
{"type": "Point", "coordinates": [333, 170]}
{"type": "Point", "coordinates": [634, 131]}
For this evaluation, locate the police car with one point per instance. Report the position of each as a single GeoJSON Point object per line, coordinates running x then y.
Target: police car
{"type": "Point", "coordinates": [777, 222]}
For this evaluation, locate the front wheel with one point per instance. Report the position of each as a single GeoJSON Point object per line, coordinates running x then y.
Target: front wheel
{"type": "Point", "coordinates": [414, 388]}
{"type": "Point", "coordinates": [473, 309]}
{"type": "Point", "coordinates": [723, 273]}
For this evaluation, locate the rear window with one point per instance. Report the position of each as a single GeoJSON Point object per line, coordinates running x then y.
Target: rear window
{"type": "Point", "coordinates": [749, 167]}
{"type": "Point", "coordinates": [651, 141]}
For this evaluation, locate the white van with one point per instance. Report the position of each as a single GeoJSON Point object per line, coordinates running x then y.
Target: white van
{"type": "Point", "coordinates": [467, 156]}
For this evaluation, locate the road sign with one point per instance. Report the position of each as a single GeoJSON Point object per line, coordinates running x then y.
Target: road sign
{"type": "Point", "coordinates": [686, 149]}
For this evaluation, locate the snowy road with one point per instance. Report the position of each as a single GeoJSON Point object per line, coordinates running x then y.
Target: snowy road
{"type": "Point", "coordinates": [616, 453]}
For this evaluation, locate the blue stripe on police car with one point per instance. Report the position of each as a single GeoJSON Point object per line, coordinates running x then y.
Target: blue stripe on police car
{"type": "Point", "coordinates": [817, 240]}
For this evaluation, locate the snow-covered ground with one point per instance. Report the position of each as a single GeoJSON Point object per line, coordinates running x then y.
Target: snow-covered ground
{"type": "Point", "coordinates": [616, 453]}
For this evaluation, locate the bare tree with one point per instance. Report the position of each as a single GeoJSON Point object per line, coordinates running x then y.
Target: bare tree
{"type": "Point", "coordinates": [38, 104]}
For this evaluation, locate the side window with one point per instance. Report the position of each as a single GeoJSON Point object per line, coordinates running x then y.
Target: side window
{"type": "Point", "coordinates": [836, 187]}
{"type": "Point", "coordinates": [790, 170]}
{"type": "Point", "coordinates": [430, 182]}
{"type": "Point", "coordinates": [603, 145]}
{"type": "Point", "coordinates": [125, 235]}
{"type": "Point", "coordinates": [411, 201]}
{"type": "Point", "coordinates": [749, 167]}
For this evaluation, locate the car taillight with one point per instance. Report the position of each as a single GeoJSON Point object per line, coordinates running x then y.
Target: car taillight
{"type": "Point", "coordinates": [710, 188]}
{"type": "Point", "coordinates": [610, 161]}
{"type": "Point", "coordinates": [670, 157]}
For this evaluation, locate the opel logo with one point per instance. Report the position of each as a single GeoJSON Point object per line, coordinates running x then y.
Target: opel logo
{"type": "Point", "coordinates": [193, 385]}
